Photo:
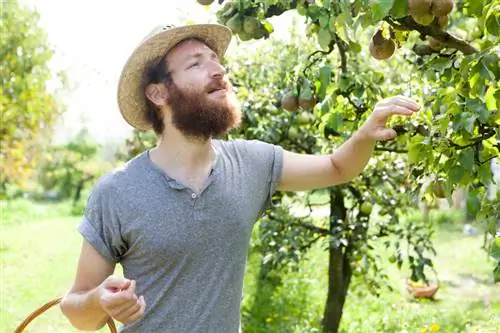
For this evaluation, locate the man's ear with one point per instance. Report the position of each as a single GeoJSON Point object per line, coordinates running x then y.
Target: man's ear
{"type": "Point", "coordinates": [156, 94]}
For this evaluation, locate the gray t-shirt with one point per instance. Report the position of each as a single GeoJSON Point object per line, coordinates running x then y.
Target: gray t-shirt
{"type": "Point", "coordinates": [187, 252]}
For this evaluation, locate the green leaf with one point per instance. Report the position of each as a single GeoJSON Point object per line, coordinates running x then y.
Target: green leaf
{"type": "Point", "coordinates": [441, 64]}
{"type": "Point", "coordinates": [473, 203]}
{"type": "Point", "coordinates": [415, 150]}
{"type": "Point", "coordinates": [485, 173]}
{"type": "Point", "coordinates": [496, 273]}
{"type": "Point", "coordinates": [477, 107]}
{"type": "Point", "coordinates": [335, 121]}
{"type": "Point", "coordinates": [324, 38]}
{"type": "Point", "coordinates": [490, 61]}
{"type": "Point", "coordinates": [344, 17]}
{"type": "Point", "coordinates": [466, 158]}
{"type": "Point", "coordinates": [380, 8]}
{"type": "Point", "coordinates": [314, 11]}
{"type": "Point", "coordinates": [268, 26]}
{"type": "Point", "coordinates": [493, 21]}
{"type": "Point", "coordinates": [355, 47]}
{"type": "Point", "coordinates": [475, 7]}
{"type": "Point", "coordinates": [323, 20]}
{"type": "Point", "coordinates": [399, 9]}
{"type": "Point", "coordinates": [325, 77]}
{"type": "Point", "coordinates": [456, 174]}
{"type": "Point", "coordinates": [495, 249]}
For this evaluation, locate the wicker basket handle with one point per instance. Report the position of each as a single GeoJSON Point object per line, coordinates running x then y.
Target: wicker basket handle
{"type": "Point", "coordinates": [45, 307]}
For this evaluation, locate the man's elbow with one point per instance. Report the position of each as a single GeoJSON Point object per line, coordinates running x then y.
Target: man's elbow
{"type": "Point", "coordinates": [340, 173]}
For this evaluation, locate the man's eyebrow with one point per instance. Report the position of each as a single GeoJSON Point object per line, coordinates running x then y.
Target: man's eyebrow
{"type": "Point", "coordinates": [201, 55]}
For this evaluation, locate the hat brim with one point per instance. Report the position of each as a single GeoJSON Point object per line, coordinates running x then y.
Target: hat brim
{"type": "Point", "coordinates": [131, 98]}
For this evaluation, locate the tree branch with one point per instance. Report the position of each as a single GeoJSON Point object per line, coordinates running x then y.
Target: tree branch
{"type": "Point", "coordinates": [355, 192]}
{"type": "Point", "coordinates": [321, 52]}
{"type": "Point", "coordinates": [343, 47]}
{"type": "Point", "coordinates": [487, 160]}
{"type": "Point", "coordinates": [407, 23]}
{"type": "Point", "coordinates": [309, 244]}
{"type": "Point", "coordinates": [395, 150]}
{"type": "Point", "coordinates": [313, 228]}
{"type": "Point", "coordinates": [485, 136]}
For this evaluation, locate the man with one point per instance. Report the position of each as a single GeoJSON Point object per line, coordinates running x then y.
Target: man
{"type": "Point", "coordinates": [178, 217]}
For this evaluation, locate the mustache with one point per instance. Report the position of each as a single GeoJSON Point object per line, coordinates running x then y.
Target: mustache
{"type": "Point", "coordinates": [218, 84]}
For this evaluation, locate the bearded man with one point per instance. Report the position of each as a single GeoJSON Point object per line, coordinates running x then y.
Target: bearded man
{"type": "Point", "coordinates": [178, 217]}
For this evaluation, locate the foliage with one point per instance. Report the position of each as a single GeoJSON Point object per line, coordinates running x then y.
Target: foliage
{"type": "Point", "coordinates": [490, 216]}
{"type": "Point", "coordinates": [27, 109]}
{"type": "Point", "coordinates": [67, 168]}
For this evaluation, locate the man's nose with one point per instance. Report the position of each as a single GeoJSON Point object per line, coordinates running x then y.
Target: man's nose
{"type": "Point", "coordinates": [217, 70]}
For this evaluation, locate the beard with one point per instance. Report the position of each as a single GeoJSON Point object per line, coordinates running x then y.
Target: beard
{"type": "Point", "coordinates": [200, 116]}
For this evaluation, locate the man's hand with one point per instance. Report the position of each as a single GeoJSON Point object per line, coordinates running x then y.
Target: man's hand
{"type": "Point", "coordinates": [375, 126]}
{"type": "Point", "coordinates": [118, 299]}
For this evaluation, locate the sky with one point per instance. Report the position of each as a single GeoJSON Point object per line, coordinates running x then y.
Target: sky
{"type": "Point", "coordinates": [92, 40]}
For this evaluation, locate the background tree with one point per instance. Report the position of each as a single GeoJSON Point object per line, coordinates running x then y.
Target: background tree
{"type": "Point", "coordinates": [68, 168]}
{"type": "Point", "coordinates": [27, 109]}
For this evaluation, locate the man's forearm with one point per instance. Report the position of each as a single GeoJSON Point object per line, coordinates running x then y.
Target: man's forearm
{"type": "Point", "coordinates": [351, 158]}
{"type": "Point", "coordinates": [83, 310]}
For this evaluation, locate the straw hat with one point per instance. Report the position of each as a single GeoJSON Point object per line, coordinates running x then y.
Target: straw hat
{"type": "Point", "coordinates": [131, 97]}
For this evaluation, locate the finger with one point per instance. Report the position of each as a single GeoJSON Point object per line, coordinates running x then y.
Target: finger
{"type": "Point", "coordinates": [407, 103]}
{"type": "Point", "coordinates": [113, 300]}
{"type": "Point", "coordinates": [126, 311]}
{"type": "Point", "coordinates": [400, 100]}
{"type": "Point", "coordinates": [131, 290]}
{"type": "Point", "coordinates": [116, 283]}
{"type": "Point", "coordinates": [139, 312]}
{"type": "Point", "coordinates": [390, 110]}
{"type": "Point", "coordinates": [387, 134]}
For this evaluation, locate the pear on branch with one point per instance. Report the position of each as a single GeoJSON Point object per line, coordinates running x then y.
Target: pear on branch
{"type": "Point", "coordinates": [381, 48]}
{"type": "Point", "coordinates": [441, 7]}
{"type": "Point", "coordinates": [420, 11]}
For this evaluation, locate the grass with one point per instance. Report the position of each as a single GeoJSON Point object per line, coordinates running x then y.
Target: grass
{"type": "Point", "coordinates": [38, 249]}
{"type": "Point", "coordinates": [39, 246]}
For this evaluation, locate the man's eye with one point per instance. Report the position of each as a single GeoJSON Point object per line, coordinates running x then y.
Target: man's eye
{"type": "Point", "coordinates": [194, 65]}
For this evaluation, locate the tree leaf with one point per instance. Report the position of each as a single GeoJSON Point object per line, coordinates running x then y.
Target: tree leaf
{"type": "Point", "coordinates": [324, 38]}
{"type": "Point", "coordinates": [495, 249]}
{"type": "Point", "coordinates": [399, 9]}
{"type": "Point", "coordinates": [473, 203]}
{"type": "Point", "coordinates": [355, 47]}
{"type": "Point", "coordinates": [380, 8]}
{"type": "Point", "coordinates": [335, 121]}
{"type": "Point", "coordinates": [456, 174]}
{"type": "Point", "coordinates": [325, 77]}
{"type": "Point", "coordinates": [492, 24]}
{"type": "Point", "coordinates": [268, 26]}
{"type": "Point", "coordinates": [323, 20]}
{"type": "Point", "coordinates": [466, 158]}
{"type": "Point", "coordinates": [441, 64]}
{"type": "Point", "coordinates": [490, 100]}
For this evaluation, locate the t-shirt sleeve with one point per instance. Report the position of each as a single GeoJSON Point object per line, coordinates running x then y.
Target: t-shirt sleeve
{"type": "Point", "coordinates": [265, 163]}
{"type": "Point", "coordinates": [100, 225]}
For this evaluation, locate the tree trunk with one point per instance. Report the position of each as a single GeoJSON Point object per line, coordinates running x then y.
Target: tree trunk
{"type": "Point", "coordinates": [339, 270]}
{"type": "Point", "coordinates": [79, 188]}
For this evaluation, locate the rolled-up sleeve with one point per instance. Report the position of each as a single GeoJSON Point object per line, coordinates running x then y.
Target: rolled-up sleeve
{"type": "Point", "coordinates": [100, 225]}
{"type": "Point", "coordinates": [265, 162]}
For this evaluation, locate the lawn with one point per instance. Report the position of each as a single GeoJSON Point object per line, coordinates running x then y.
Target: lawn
{"type": "Point", "coordinates": [39, 247]}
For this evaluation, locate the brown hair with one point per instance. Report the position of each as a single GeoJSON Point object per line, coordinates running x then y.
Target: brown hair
{"type": "Point", "coordinates": [156, 72]}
